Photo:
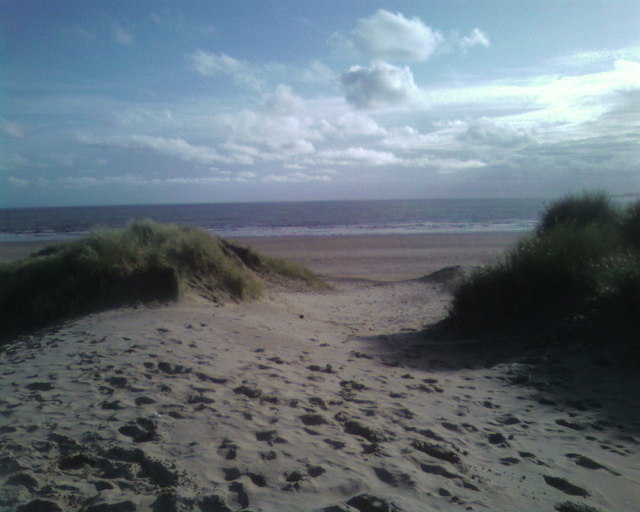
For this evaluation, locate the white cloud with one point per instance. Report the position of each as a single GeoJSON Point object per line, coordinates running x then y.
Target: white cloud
{"type": "Point", "coordinates": [409, 139]}
{"type": "Point", "coordinates": [380, 84]}
{"type": "Point", "coordinates": [178, 147]}
{"type": "Point", "coordinates": [283, 101]}
{"type": "Point", "coordinates": [492, 133]}
{"type": "Point", "coordinates": [475, 38]}
{"type": "Point", "coordinates": [445, 165]}
{"type": "Point", "coordinates": [122, 36]}
{"type": "Point", "coordinates": [355, 156]}
{"type": "Point", "coordinates": [390, 36]}
{"type": "Point", "coordinates": [354, 123]}
{"type": "Point", "coordinates": [296, 177]}
{"type": "Point", "coordinates": [209, 64]}
{"type": "Point", "coordinates": [587, 58]}
{"type": "Point", "coordinates": [297, 147]}
{"type": "Point", "coordinates": [319, 73]}
{"type": "Point", "coordinates": [140, 116]}
{"type": "Point", "coordinates": [505, 132]}
{"type": "Point", "coordinates": [173, 146]}
{"type": "Point", "coordinates": [283, 120]}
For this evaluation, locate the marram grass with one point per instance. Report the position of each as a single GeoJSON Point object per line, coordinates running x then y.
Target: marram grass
{"type": "Point", "coordinates": [579, 270]}
{"type": "Point", "coordinates": [144, 262]}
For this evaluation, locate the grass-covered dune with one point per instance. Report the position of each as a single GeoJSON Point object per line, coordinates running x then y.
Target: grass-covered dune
{"type": "Point", "coordinates": [578, 274]}
{"type": "Point", "coordinates": [144, 262]}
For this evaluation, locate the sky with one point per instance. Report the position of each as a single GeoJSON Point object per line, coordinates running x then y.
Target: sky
{"type": "Point", "coordinates": [134, 102]}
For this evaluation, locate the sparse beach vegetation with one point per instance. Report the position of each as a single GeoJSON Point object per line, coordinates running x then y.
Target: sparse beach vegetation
{"type": "Point", "coordinates": [578, 273]}
{"type": "Point", "coordinates": [145, 262]}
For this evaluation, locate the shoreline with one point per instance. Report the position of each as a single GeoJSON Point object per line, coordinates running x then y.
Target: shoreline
{"type": "Point", "coordinates": [377, 257]}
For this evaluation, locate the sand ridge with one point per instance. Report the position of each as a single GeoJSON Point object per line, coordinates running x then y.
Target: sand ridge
{"type": "Point", "coordinates": [305, 401]}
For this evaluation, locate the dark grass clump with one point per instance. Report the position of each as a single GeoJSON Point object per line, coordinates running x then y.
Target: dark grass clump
{"type": "Point", "coordinates": [144, 262]}
{"type": "Point", "coordinates": [579, 273]}
{"type": "Point", "coordinates": [580, 211]}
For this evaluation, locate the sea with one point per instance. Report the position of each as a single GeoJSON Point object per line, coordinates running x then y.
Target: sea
{"type": "Point", "coordinates": [283, 219]}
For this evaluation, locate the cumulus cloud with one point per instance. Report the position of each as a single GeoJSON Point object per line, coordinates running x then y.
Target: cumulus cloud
{"type": "Point", "coordinates": [283, 101]}
{"type": "Point", "coordinates": [393, 37]}
{"type": "Point", "coordinates": [209, 64]}
{"type": "Point", "coordinates": [380, 84]}
{"type": "Point", "coordinates": [281, 122]}
{"type": "Point", "coordinates": [390, 36]}
{"type": "Point", "coordinates": [354, 123]}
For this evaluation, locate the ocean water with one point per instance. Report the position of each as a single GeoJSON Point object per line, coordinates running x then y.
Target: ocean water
{"type": "Point", "coordinates": [316, 218]}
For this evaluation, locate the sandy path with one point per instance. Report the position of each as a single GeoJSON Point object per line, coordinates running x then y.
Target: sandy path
{"type": "Point", "coordinates": [304, 401]}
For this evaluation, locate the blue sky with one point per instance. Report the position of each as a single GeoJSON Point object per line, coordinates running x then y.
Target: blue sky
{"type": "Point", "coordinates": [121, 102]}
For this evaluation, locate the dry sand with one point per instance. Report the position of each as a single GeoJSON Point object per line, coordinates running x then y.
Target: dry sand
{"type": "Point", "coordinates": [310, 401]}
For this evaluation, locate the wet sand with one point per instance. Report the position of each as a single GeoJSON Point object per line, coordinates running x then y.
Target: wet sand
{"type": "Point", "coordinates": [385, 257]}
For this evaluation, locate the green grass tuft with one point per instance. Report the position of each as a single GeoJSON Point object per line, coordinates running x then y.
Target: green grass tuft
{"type": "Point", "coordinates": [146, 261]}
{"type": "Point", "coordinates": [579, 212]}
{"type": "Point", "coordinates": [581, 268]}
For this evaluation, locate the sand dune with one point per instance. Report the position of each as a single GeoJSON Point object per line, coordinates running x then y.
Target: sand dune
{"type": "Point", "coordinates": [307, 401]}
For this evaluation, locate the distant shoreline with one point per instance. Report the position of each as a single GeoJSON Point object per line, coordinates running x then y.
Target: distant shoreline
{"type": "Point", "coordinates": [384, 257]}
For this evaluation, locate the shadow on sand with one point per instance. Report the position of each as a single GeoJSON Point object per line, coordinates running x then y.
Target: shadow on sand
{"type": "Point", "coordinates": [568, 377]}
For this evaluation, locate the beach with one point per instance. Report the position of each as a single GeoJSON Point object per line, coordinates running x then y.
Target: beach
{"type": "Point", "coordinates": [312, 400]}
{"type": "Point", "coordinates": [385, 257]}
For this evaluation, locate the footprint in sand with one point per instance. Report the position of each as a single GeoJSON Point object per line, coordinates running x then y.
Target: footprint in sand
{"type": "Point", "coordinates": [144, 400]}
{"type": "Point", "coordinates": [140, 430]}
{"type": "Point", "coordinates": [173, 369]}
{"type": "Point", "coordinates": [248, 391]}
{"type": "Point", "coordinates": [313, 419]}
{"type": "Point", "coordinates": [257, 480]}
{"type": "Point", "coordinates": [231, 474]}
{"type": "Point", "coordinates": [567, 506]}
{"type": "Point", "coordinates": [436, 451]}
{"type": "Point", "coordinates": [117, 382]}
{"type": "Point", "coordinates": [208, 378]}
{"type": "Point", "coordinates": [566, 487]}
{"type": "Point", "coordinates": [270, 436]}
{"type": "Point", "coordinates": [368, 502]}
{"type": "Point", "coordinates": [212, 503]}
{"type": "Point", "coordinates": [358, 429]}
{"type": "Point", "coordinates": [270, 455]}
{"type": "Point", "coordinates": [40, 386]}
{"type": "Point", "coordinates": [336, 445]}
{"type": "Point", "coordinates": [568, 424]}
{"type": "Point", "coordinates": [228, 449]}
{"type": "Point", "coordinates": [23, 480]}
{"type": "Point", "coordinates": [532, 458]}
{"type": "Point", "coordinates": [39, 505]}
{"type": "Point", "coordinates": [394, 478]}
{"type": "Point", "coordinates": [588, 463]}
